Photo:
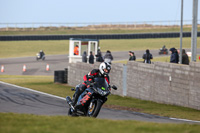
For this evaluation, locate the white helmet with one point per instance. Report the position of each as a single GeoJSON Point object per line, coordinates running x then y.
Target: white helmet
{"type": "Point", "coordinates": [104, 65]}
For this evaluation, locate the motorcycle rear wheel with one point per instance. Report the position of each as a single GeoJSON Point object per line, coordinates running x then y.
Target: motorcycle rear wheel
{"type": "Point", "coordinates": [94, 109]}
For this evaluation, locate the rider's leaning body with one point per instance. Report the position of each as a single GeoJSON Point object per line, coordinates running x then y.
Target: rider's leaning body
{"type": "Point", "coordinates": [103, 71]}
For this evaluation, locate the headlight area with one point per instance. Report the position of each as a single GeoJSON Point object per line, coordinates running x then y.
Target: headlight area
{"type": "Point", "coordinates": [102, 92]}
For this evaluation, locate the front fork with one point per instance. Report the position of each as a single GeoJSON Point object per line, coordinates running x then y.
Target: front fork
{"type": "Point", "coordinates": [69, 101]}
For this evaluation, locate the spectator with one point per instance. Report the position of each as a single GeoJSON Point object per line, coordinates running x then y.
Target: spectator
{"type": "Point", "coordinates": [132, 56]}
{"type": "Point", "coordinates": [99, 57]}
{"type": "Point", "coordinates": [91, 58]}
{"type": "Point", "coordinates": [177, 52]}
{"type": "Point", "coordinates": [174, 58]}
{"type": "Point", "coordinates": [84, 57]}
{"type": "Point", "coordinates": [129, 53]}
{"type": "Point", "coordinates": [76, 50]}
{"type": "Point", "coordinates": [185, 59]}
{"type": "Point", "coordinates": [147, 57]}
{"type": "Point", "coordinates": [108, 57]}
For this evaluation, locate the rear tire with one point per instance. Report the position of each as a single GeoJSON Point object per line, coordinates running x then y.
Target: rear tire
{"type": "Point", "coordinates": [95, 109]}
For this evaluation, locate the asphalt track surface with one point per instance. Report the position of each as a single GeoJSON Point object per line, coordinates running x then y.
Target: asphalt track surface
{"type": "Point", "coordinates": [14, 66]}
{"type": "Point", "coordinates": [23, 100]}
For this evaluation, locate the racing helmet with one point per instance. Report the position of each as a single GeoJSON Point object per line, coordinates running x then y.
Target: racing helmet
{"type": "Point", "coordinates": [103, 66]}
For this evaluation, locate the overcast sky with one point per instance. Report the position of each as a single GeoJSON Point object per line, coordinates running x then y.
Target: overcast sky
{"type": "Point", "coordinates": [77, 11]}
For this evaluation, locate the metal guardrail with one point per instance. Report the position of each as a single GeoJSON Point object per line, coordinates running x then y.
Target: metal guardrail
{"type": "Point", "coordinates": [95, 36]}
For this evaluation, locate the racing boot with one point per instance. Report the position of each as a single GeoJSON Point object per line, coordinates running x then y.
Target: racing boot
{"type": "Point", "coordinates": [79, 90]}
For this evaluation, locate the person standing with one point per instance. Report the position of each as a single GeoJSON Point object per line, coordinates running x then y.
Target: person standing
{"type": "Point", "coordinates": [132, 56]}
{"type": "Point", "coordinates": [91, 58]}
{"type": "Point", "coordinates": [185, 59]}
{"type": "Point", "coordinates": [76, 50]}
{"type": "Point", "coordinates": [147, 57]}
{"type": "Point", "coordinates": [108, 57]}
{"type": "Point", "coordinates": [174, 58]}
{"type": "Point", "coordinates": [99, 57]}
{"type": "Point", "coordinates": [84, 57]}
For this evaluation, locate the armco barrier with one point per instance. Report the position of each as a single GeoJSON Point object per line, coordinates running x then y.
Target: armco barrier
{"type": "Point", "coordinates": [95, 36]}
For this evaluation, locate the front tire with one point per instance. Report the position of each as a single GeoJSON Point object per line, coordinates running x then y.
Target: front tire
{"type": "Point", "coordinates": [94, 109]}
{"type": "Point", "coordinates": [70, 113]}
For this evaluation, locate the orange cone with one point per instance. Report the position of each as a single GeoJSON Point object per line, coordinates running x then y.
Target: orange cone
{"type": "Point", "coordinates": [24, 68]}
{"type": "Point", "coordinates": [47, 67]}
{"type": "Point", "coordinates": [2, 68]}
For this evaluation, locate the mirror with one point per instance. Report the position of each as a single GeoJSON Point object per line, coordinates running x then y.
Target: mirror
{"type": "Point", "coordinates": [114, 87]}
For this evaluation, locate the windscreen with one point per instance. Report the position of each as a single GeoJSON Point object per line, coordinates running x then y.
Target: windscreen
{"type": "Point", "coordinates": [101, 83]}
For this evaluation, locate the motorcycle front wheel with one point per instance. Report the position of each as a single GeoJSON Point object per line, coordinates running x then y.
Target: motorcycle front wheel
{"type": "Point", "coordinates": [94, 108]}
{"type": "Point", "coordinates": [70, 113]}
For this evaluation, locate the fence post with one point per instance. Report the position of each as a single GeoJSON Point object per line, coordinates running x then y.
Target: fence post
{"type": "Point", "coordinates": [124, 80]}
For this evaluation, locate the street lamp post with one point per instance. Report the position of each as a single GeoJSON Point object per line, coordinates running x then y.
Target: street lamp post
{"type": "Point", "coordinates": [194, 31]}
{"type": "Point", "coordinates": [181, 33]}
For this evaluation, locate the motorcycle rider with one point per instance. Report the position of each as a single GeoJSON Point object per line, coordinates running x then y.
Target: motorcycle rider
{"type": "Point", "coordinates": [103, 71]}
{"type": "Point", "coordinates": [41, 54]}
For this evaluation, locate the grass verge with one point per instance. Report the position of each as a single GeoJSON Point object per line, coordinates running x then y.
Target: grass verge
{"type": "Point", "coordinates": [45, 84]}
{"type": "Point", "coordinates": [30, 48]}
{"type": "Point", "coordinates": [24, 123]}
{"type": "Point", "coordinates": [62, 31]}
{"type": "Point", "coordinates": [155, 59]}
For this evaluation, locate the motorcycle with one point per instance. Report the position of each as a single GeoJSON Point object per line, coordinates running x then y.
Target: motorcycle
{"type": "Point", "coordinates": [38, 56]}
{"type": "Point", "coordinates": [92, 99]}
{"type": "Point", "coordinates": [163, 50]}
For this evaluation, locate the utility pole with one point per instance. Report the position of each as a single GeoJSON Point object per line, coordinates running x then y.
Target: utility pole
{"type": "Point", "coordinates": [181, 33]}
{"type": "Point", "coordinates": [194, 31]}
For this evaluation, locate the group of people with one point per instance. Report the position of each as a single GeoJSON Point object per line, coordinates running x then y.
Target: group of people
{"type": "Point", "coordinates": [174, 58]}
{"type": "Point", "coordinates": [146, 56]}
{"type": "Point", "coordinates": [99, 58]}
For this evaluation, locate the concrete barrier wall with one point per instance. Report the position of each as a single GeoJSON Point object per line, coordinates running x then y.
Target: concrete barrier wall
{"type": "Point", "coordinates": [159, 82]}
{"type": "Point", "coordinates": [165, 83]}
{"type": "Point", "coordinates": [76, 71]}
{"type": "Point", "coordinates": [116, 78]}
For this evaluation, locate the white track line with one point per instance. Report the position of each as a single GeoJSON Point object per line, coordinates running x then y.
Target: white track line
{"type": "Point", "coordinates": [186, 120]}
{"type": "Point", "coordinates": [62, 98]}
{"type": "Point", "coordinates": [33, 90]}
